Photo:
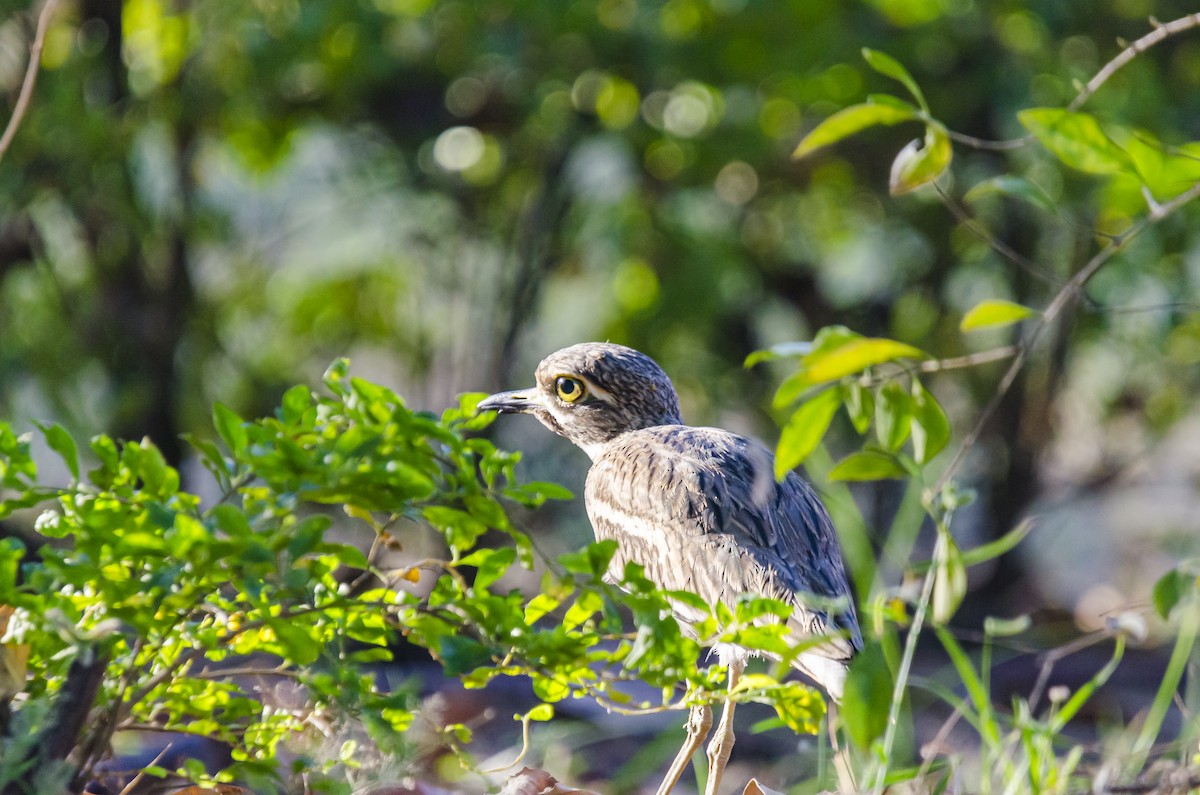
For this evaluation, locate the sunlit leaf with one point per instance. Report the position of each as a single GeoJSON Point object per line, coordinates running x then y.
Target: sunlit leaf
{"type": "Point", "coordinates": [860, 405]}
{"type": "Point", "coordinates": [868, 465]}
{"type": "Point", "coordinates": [993, 313]}
{"type": "Point", "coordinates": [848, 121]}
{"type": "Point", "coordinates": [782, 350]}
{"type": "Point", "coordinates": [804, 431]}
{"type": "Point", "coordinates": [921, 163]}
{"type": "Point", "coordinates": [1014, 186]}
{"type": "Point", "coordinates": [62, 443]}
{"type": "Point", "coordinates": [889, 67]}
{"type": "Point", "coordinates": [950, 581]}
{"type": "Point", "coordinates": [893, 413]}
{"type": "Point", "coordinates": [230, 427]}
{"type": "Point", "coordinates": [848, 356]}
{"type": "Point", "coordinates": [1078, 140]}
{"type": "Point", "coordinates": [930, 426]}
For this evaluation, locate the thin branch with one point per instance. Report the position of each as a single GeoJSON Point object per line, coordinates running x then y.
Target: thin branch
{"type": "Point", "coordinates": [1001, 248]}
{"type": "Point", "coordinates": [31, 71]}
{"type": "Point", "coordinates": [132, 785]}
{"type": "Point", "coordinates": [987, 144]}
{"type": "Point", "coordinates": [1072, 289]}
{"type": "Point", "coordinates": [1161, 33]}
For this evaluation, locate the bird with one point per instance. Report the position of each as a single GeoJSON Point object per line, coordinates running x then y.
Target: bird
{"type": "Point", "coordinates": [700, 510]}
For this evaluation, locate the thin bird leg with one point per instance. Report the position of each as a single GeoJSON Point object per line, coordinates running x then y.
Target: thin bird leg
{"type": "Point", "coordinates": [841, 756]}
{"type": "Point", "coordinates": [722, 742]}
{"type": "Point", "coordinates": [698, 723]}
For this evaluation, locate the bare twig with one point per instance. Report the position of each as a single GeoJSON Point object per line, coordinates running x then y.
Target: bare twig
{"type": "Point", "coordinates": [1161, 32]}
{"type": "Point", "coordinates": [999, 246]}
{"type": "Point", "coordinates": [35, 58]}
{"type": "Point", "coordinates": [131, 786]}
{"type": "Point", "coordinates": [1065, 295]}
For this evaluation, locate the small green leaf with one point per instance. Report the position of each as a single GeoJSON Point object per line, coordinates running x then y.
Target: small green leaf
{"type": "Point", "coordinates": [950, 582]}
{"type": "Point", "coordinates": [295, 402]}
{"type": "Point", "coordinates": [919, 164]}
{"type": "Point", "coordinates": [868, 696]}
{"type": "Point", "coordinates": [847, 122]}
{"type": "Point", "coordinates": [460, 655]}
{"type": "Point", "coordinates": [541, 712]}
{"type": "Point", "coordinates": [491, 564]}
{"type": "Point", "coordinates": [860, 405]}
{"type": "Point", "coordinates": [842, 357]}
{"type": "Point", "coordinates": [888, 66]}
{"type": "Point", "coordinates": [868, 465]}
{"type": "Point", "coordinates": [780, 351]}
{"type": "Point", "coordinates": [893, 416]}
{"type": "Point", "coordinates": [1078, 140]}
{"type": "Point", "coordinates": [301, 646]}
{"type": "Point", "coordinates": [230, 427]}
{"type": "Point", "coordinates": [930, 427]}
{"type": "Point", "coordinates": [64, 444]}
{"type": "Point", "coordinates": [993, 313]}
{"type": "Point", "coordinates": [804, 431]}
{"type": "Point", "coordinates": [305, 536]}
{"type": "Point", "coordinates": [1175, 585]}
{"type": "Point", "coordinates": [1014, 186]}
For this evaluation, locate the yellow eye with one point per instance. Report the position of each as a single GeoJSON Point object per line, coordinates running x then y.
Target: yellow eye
{"type": "Point", "coordinates": [570, 390]}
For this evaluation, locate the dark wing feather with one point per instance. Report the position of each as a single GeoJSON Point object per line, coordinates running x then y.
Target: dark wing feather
{"type": "Point", "coordinates": [700, 510]}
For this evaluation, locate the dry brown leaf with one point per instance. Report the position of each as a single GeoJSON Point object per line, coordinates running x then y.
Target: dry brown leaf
{"type": "Point", "coordinates": [754, 788]}
{"type": "Point", "coordinates": [530, 781]}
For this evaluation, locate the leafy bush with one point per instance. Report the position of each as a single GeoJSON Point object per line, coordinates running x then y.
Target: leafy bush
{"type": "Point", "coordinates": [160, 604]}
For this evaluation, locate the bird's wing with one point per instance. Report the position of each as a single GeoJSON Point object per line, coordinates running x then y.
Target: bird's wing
{"type": "Point", "coordinates": [700, 510]}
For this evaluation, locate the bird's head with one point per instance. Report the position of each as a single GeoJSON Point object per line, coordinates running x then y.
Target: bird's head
{"type": "Point", "coordinates": [593, 392]}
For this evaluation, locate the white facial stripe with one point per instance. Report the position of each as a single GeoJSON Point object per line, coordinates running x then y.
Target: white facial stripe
{"type": "Point", "coordinates": [599, 392]}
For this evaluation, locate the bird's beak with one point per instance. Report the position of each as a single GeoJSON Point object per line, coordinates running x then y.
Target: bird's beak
{"type": "Point", "coordinates": [519, 401]}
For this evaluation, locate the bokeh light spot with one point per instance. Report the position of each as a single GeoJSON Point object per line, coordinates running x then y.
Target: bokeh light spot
{"type": "Point", "coordinates": [458, 148]}
{"type": "Point", "coordinates": [736, 183]}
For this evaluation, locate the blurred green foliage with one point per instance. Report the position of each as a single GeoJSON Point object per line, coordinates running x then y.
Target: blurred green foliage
{"type": "Point", "coordinates": [208, 201]}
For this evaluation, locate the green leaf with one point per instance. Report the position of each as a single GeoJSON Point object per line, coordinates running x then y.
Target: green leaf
{"type": "Point", "coordinates": [847, 122]}
{"type": "Point", "coordinates": [860, 405]}
{"type": "Point", "coordinates": [295, 402]}
{"type": "Point", "coordinates": [1078, 140]}
{"type": "Point", "coordinates": [1174, 586]}
{"type": "Point", "coordinates": [64, 444]}
{"type": "Point", "coordinates": [846, 356]}
{"type": "Point", "coordinates": [930, 426]}
{"type": "Point", "coordinates": [301, 646]}
{"type": "Point", "coordinates": [230, 427]}
{"type": "Point", "coordinates": [888, 66]}
{"type": "Point", "coordinates": [541, 712]}
{"type": "Point", "coordinates": [994, 312]}
{"type": "Point", "coordinates": [780, 351]}
{"type": "Point", "coordinates": [919, 164]}
{"type": "Point", "coordinates": [1014, 186]}
{"type": "Point", "coordinates": [868, 465]}
{"type": "Point", "coordinates": [893, 416]}
{"type": "Point", "coordinates": [868, 696]}
{"type": "Point", "coordinates": [950, 582]}
{"type": "Point", "coordinates": [460, 655]}
{"type": "Point", "coordinates": [305, 536]}
{"type": "Point", "coordinates": [804, 431]}
{"type": "Point", "coordinates": [491, 564]}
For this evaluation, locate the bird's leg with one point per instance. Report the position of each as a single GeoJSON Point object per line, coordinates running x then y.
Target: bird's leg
{"type": "Point", "coordinates": [698, 723]}
{"type": "Point", "coordinates": [841, 756]}
{"type": "Point", "coordinates": [722, 742]}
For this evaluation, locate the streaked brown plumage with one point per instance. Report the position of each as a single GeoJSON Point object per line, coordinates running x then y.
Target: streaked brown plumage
{"type": "Point", "coordinates": [698, 508]}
